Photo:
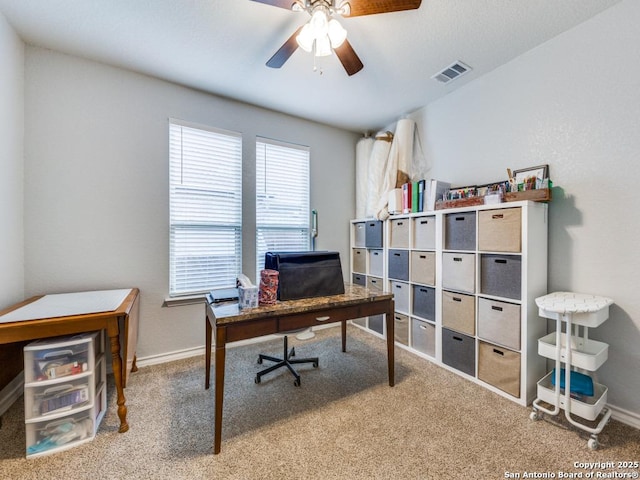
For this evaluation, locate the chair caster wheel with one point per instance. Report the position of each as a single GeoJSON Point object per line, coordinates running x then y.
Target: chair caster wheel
{"type": "Point", "coordinates": [296, 382]}
{"type": "Point", "coordinates": [257, 379]}
{"type": "Point", "coordinates": [315, 364]}
{"type": "Point", "coordinates": [259, 361]}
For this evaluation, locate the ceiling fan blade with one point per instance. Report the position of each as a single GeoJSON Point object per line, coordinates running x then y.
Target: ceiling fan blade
{"type": "Point", "coordinates": [348, 57]}
{"type": "Point", "coordinates": [278, 3]}
{"type": "Point", "coordinates": [369, 7]}
{"type": "Point", "coordinates": [285, 51]}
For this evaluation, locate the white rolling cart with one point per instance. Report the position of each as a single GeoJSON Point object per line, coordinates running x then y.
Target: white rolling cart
{"type": "Point", "coordinates": [577, 352]}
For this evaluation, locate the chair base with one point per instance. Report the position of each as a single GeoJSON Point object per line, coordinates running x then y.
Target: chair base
{"type": "Point", "coordinates": [285, 361]}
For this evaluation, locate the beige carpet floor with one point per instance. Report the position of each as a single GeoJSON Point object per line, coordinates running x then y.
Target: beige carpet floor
{"type": "Point", "coordinates": [344, 422]}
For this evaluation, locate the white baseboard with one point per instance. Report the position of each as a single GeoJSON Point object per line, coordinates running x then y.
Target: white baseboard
{"type": "Point", "coordinates": [625, 416]}
{"type": "Point", "coordinates": [11, 393]}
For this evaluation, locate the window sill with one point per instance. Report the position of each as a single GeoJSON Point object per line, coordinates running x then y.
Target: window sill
{"type": "Point", "coordinates": [185, 300]}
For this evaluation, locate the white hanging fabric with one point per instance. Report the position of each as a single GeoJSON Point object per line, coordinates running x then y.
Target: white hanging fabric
{"type": "Point", "coordinates": [377, 169]}
{"type": "Point", "coordinates": [364, 148]}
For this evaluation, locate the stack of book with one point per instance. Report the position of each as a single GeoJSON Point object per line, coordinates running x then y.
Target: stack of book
{"type": "Point", "coordinates": [422, 195]}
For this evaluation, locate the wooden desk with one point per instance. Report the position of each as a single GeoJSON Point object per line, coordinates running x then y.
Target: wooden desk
{"type": "Point", "coordinates": [232, 324]}
{"type": "Point", "coordinates": [122, 321]}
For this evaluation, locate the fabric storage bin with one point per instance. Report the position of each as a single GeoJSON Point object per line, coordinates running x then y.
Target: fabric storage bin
{"type": "Point", "coordinates": [459, 351]}
{"type": "Point", "coordinates": [360, 260]}
{"type": "Point", "coordinates": [459, 271]}
{"type": "Point", "coordinates": [399, 233]}
{"type": "Point", "coordinates": [359, 279]}
{"type": "Point", "coordinates": [423, 268]}
{"type": "Point", "coordinates": [499, 367]}
{"type": "Point", "coordinates": [401, 328]}
{"type": "Point", "coordinates": [376, 262]}
{"type": "Point", "coordinates": [424, 233]}
{"type": "Point", "coordinates": [459, 312]}
{"type": "Point", "coordinates": [460, 231]}
{"type": "Point", "coordinates": [424, 302]}
{"type": "Point", "coordinates": [500, 230]}
{"type": "Point", "coordinates": [373, 234]}
{"type": "Point", "coordinates": [400, 292]}
{"type": "Point", "coordinates": [399, 264]}
{"type": "Point", "coordinates": [500, 275]}
{"type": "Point", "coordinates": [359, 234]}
{"type": "Point", "coordinates": [499, 322]}
{"type": "Point", "coordinates": [360, 321]}
{"type": "Point", "coordinates": [423, 337]}
{"type": "Point", "coordinates": [375, 283]}
{"type": "Point", "coordinates": [376, 323]}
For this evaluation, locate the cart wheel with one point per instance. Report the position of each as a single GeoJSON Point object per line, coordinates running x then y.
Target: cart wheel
{"type": "Point", "coordinates": [315, 364]}
{"type": "Point", "coordinates": [257, 379]}
{"type": "Point", "coordinates": [259, 360]}
{"type": "Point", "coordinates": [296, 382]}
{"type": "Point", "coordinates": [533, 416]}
{"type": "Point", "coordinates": [592, 444]}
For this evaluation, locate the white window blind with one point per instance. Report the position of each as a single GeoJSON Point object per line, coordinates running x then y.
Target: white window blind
{"type": "Point", "coordinates": [282, 198]}
{"type": "Point", "coordinates": [205, 208]}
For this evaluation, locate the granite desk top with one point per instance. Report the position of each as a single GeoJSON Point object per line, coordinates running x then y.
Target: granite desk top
{"type": "Point", "coordinates": [353, 295]}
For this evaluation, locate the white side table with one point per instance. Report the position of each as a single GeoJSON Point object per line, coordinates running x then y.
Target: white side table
{"type": "Point", "coordinates": [577, 311]}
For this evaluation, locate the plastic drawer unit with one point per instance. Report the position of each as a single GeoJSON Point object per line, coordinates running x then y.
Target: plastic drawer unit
{"type": "Point", "coordinates": [423, 337]}
{"type": "Point", "coordinates": [376, 262]}
{"type": "Point", "coordinates": [401, 328]}
{"type": "Point", "coordinates": [424, 233]}
{"type": "Point", "coordinates": [373, 234]}
{"type": "Point", "coordinates": [500, 275]}
{"type": "Point", "coordinates": [401, 295]}
{"type": "Point", "coordinates": [499, 322]}
{"type": "Point", "coordinates": [499, 367]}
{"type": "Point", "coordinates": [500, 230]}
{"type": "Point", "coordinates": [459, 312]}
{"type": "Point", "coordinates": [460, 231]}
{"type": "Point", "coordinates": [459, 272]}
{"type": "Point", "coordinates": [459, 351]}
{"type": "Point", "coordinates": [423, 267]}
{"type": "Point", "coordinates": [424, 302]}
{"type": "Point", "coordinates": [399, 264]}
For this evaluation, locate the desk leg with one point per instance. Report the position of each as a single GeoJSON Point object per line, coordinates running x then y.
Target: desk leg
{"type": "Point", "coordinates": [117, 374]}
{"type": "Point", "coordinates": [344, 335]}
{"type": "Point", "coordinates": [390, 342]}
{"type": "Point", "coordinates": [207, 352]}
{"type": "Point", "coordinates": [221, 341]}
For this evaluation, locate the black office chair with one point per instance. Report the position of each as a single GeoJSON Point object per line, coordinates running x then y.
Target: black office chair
{"type": "Point", "coordinates": [285, 361]}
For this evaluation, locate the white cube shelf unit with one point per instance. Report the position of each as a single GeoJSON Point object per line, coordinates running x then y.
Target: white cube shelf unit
{"type": "Point", "coordinates": [465, 282]}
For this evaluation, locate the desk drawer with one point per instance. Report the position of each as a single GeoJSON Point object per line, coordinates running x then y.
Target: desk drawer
{"type": "Point", "coordinates": [301, 320]}
{"type": "Point", "coordinates": [244, 330]}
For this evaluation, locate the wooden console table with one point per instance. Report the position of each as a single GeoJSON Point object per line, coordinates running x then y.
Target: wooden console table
{"type": "Point", "coordinates": [232, 324]}
{"type": "Point", "coordinates": [123, 321]}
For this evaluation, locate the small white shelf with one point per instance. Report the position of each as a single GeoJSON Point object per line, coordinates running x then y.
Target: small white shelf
{"type": "Point", "coordinates": [584, 406]}
{"type": "Point", "coordinates": [585, 353]}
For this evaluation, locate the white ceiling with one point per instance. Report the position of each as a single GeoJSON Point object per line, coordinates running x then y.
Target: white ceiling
{"type": "Point", "coordinates": [221, 46]}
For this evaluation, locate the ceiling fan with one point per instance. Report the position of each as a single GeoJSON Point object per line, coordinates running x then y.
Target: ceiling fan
{"type": "Point", "coordinates": [323, 34]}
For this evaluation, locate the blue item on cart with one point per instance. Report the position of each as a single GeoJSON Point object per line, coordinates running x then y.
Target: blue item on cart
{"type": "Point", "coordinates": [581, 384]}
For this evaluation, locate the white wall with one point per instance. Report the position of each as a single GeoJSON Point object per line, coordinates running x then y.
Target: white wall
{"type": "Point", "coordinates": [96, 188]}
{"type": "Point", "coordinates": [11, 170]}
{"type": "Point", "coordinates": [572, 103]}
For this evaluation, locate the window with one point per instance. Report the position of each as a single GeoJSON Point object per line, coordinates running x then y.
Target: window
{"type": "Point", "coordinates": [205, 208]}
{"type": "Point", "coordinates": [282, 198]}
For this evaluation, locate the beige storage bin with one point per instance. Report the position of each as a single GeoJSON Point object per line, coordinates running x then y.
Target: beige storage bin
{"type": "Point", "coordinates": [499, 322]}
{"type": "Point", "coordinates": [401, 328]}
{"type": "Point", "coordinates": [360, 260]}
{"type": "Point", "coordinates": [424, 232]}
{"type": "Point", "coordinates": [376, 262]}
{"type": "Point", "coordinates": [459, 271]}
{"type": "Point", "coordinates": [459, 312]}
{"type": "Point", "coordinates": [399, 233]}
{"type": "Point", "coordinates": [375, 283]}
{"type": "Point", "coordinates": [499, 367]}
{"type": "Point", "coordinates": [500, 230]}
{"type": "Point", "coordinates": [423, 268]}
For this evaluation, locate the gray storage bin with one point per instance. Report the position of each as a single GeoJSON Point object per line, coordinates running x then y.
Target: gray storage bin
{"type": "Point", "coordinates": [399, 264]}
{"type": "Point", "coordinates": [423, 268]}
{"type": "Point", "coordinates": [459, 351]}
{"type": "Point", "coordinates": [373, 234]}
{"type": "Point", "coordinates": [360, 321]}
{"type": "Point", "coordinates": [423, 337]}
{"type": "Point", "coordinates": [399, 233]}
{"type": "Point", "coordinates": [424, 302]}
{"type": "Point", "coordinates": [401, 328]}
{"type": "Point", "coordinates": [376, 323]}
{"type": "Point", "coordinates": [424, 232]}
{"type": "Point", "coordinates": [375, 283]}
{"type": "Point", "coordinates": [500, 275]}
{"type": "Point", "coordinates": [459, 312]}
{"type": "Point", "coordinates": [459, 271]}
{"type": "Point", "coordinates": [499, 367]}
{"type": "Point", "coordinates": [499, 322]}
{"type": "Point", "coordinates": [460, 231]}
{"type": "Point", "coordinates": [376, 262]}
{"type": "Point", "coordinates": [359, 279]}
{"type": "Point", "coordinates": [360, 260]}
{"type": "Point", "coordinates": [400, 292]}
{"type": "Point", "coordinates": [359, 234]}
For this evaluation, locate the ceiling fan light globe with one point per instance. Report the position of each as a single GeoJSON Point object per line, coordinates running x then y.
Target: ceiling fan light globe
{"type": "Point", "coordinates": [323, 47]}
{"type": "Point", "coordinates": [305, 38]}
{"type": "Point", "coordinates": [337, 34]}
{"type": "Point", "coordinates": [319, 23]}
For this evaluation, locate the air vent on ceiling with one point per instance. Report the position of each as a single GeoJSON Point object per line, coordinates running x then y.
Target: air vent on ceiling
{"type": "Point", "coordinates": [452, 72]}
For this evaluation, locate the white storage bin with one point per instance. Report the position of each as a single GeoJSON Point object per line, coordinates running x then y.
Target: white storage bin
{"type": "Point", "coordinates": [401, 295]}
{"type": "Point", "coordinates": [588, 355]}
{"type": "Point", "coordinates": [459, 272]}
{"type": "Point", "coordinates": [585, 407]}
{"type": "Point", "coordinates": [376, 262]}
{"type": "Point", "coordinates": [424, 233]}
{"type": "Point", "coordinates": [55, 435]}
{"type": "Point", "coordinates": [423, 337]}
{"type": "Point", "coordinates": [359, 234]}
{"type": "Point", "coordinates": [499, 322]}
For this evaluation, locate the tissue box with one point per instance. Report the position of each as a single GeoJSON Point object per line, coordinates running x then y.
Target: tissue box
{"type": "Point", "coordinates": [247, 297]}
